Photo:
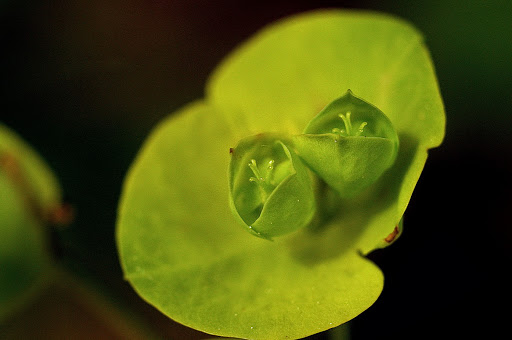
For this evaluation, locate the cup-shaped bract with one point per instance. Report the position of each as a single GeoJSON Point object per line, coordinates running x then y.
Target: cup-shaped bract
{"type": "Point", "coordinates": [349, 144]}
{"type": "Point", "coordinates": [271, 191]}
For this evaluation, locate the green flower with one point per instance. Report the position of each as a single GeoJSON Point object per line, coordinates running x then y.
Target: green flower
{"type": "Point", "coordinates": [352, 157]}
{"type": "Point", "coordinates": [270, 189]}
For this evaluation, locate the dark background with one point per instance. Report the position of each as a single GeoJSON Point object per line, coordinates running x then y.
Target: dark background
{"type": "Point", "coordinates": [85, 81]}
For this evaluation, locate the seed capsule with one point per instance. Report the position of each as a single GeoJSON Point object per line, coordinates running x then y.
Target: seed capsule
{"type": "Point", "coordinates": [271, 192]}
{"type": "Point", "coordinates": [349, 144]}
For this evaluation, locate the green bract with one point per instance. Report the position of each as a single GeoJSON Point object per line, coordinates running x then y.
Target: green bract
{"type": "Point", "coordinates": [183, 249]}
{"type": "Point", "coordinates": [270, 189]}
{"type": "Point", "coordinates": [349, 144]}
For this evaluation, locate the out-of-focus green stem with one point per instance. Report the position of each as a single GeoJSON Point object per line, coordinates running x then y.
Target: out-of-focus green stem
{"type": "Point", "coordinates": [342, 332]}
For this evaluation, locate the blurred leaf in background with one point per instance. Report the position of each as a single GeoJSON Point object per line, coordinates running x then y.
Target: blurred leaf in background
{"type": "Point", "coordinates": [29, 198]}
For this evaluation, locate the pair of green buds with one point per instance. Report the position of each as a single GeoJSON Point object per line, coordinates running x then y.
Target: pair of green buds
{"type": "Point", "coordinates": [348, 145]}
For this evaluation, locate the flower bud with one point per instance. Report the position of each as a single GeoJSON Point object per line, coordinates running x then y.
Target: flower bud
{"type": "Point", "coordinates": [271, 191]}
{"type": "Point", "coordinates": [349, 144]}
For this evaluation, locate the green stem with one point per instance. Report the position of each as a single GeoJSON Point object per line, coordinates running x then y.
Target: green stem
{"type": "Point", "coordinates": [328, 204]}
{"type": "Point", "coordinates": [342, 332]}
